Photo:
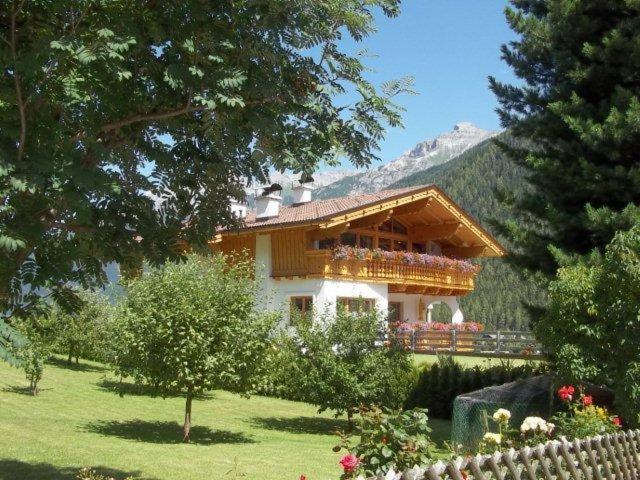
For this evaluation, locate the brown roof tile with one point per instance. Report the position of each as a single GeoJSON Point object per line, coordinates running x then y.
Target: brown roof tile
{"type": "Point", "coordinates": [324, 209]}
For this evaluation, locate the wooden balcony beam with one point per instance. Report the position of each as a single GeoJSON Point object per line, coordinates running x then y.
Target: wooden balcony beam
{"type": "Point", "coordinates": [412, 208]}
{"type": "Point", "coordinates": [434, 232]}
{"type": "Point", "coordinates": [464, 252]}
{"type": "Point", "coordinates": [372, 220]}
{"type": "Point", "coordinates": [332, 232]}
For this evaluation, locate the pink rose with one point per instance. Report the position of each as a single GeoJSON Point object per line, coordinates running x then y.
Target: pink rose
{"type": "Point", "coordinates": [349, 462]}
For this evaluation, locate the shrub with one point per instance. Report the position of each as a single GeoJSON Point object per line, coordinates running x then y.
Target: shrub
{"type": "Point", "coordinates": [40, 335]}
{"type": "Point", "coordinates": [340, 362]}
{"type": "Point", "coordinates": [440, 383]}
{"type": "Point", "coordinates": [395, 441]}
{"type": "Point", "coordinates": [592, 327]}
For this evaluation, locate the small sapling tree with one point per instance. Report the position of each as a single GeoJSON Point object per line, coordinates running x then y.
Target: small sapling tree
{"type": "Point", "coordinates": [191, 327]}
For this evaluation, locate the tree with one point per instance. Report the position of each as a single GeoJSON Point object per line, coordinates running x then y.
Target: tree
{"type": "Point", "coordinates": [125, 127]}
{"type": "Point", "coordinates": [40, 333]}
{"type": "Point", "coordinates": [85, 332]}
{"type": "Point", "coordinates": [341, 363]}
{"type": "Point", "coordinates": [191, 326]}
{"type": "Point", "coordinates": [592, 325]}
{"type": "Point", "coordinates": [575, 114]}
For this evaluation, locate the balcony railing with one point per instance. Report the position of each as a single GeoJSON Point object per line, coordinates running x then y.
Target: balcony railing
{"type": "Point", "coordinates": [320, 263]}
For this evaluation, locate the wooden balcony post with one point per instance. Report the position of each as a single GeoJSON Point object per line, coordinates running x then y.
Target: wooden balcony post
{"type": "Point", "coordinates": [454, 340]}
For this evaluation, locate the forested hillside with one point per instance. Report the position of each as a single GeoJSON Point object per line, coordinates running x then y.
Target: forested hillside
{"type": "Point", "coordinates": [470, 179]}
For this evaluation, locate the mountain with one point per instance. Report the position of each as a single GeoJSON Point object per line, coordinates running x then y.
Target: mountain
{"type": "Point", "coordinates": [424, 156]}
{"type": "Point", "coordinates": [471, 180]}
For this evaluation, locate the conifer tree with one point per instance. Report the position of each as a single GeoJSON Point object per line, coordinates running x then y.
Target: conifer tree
{"type": "Point", "coordinates": [577, 114]}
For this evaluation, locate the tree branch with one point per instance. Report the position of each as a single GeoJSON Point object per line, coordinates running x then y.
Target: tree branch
{"type": "Point", "coordinates": [22, 108]}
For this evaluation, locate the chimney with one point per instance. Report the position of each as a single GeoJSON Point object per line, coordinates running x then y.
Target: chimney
{"type": "Point", "coordinates": [268, 202]}
{"type": "Point", "coordinates": [302, 192]}
{"type": "Point", "coordinates": [238, 209]}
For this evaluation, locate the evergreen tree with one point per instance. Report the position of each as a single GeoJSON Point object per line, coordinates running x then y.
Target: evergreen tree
{"type": "Point", "coordinates": [577, 114]}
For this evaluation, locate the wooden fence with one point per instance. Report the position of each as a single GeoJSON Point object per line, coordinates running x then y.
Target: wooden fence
{"type": "Point", "coordinates": [608, 457]}
{"type": "Point", "coordinates": [493, 344]}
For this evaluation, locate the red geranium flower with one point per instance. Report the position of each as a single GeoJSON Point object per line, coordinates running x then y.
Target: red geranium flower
{"type": "Point", "coordinates": [587, 400]}
{"type": "Point", "coordinates": [616, 421]}
{"type": "Point", "coordinates": [566, 393]}
{"type": "Point", "coordinates": [303, 477]}
{"type": "Point", "coordinates": [349, 462]}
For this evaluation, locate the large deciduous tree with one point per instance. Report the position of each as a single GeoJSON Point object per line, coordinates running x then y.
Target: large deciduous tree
{"type": "Point", "coordinates": [191, 326]}
{"type": "Point", "coordinates": [576, 111]}
{"type": "Point", "coordinates": [125, 126]}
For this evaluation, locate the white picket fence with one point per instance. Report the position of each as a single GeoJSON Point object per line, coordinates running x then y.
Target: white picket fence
{"type": "Point", "coordinates": [606, 457]}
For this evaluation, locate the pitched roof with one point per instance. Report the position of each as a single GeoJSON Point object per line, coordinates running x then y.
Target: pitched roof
{"type": "Point", "coordinates": [325, 209]}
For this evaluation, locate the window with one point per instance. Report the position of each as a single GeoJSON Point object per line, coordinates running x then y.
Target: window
{"type": "Point", "coordinates": [303, 305]}
{"type": "Point", "coordinates": [360, 304]}
{"type": "Point", "coordinates": [366, 241]}
{"type": "Point", "coordinates": [399, 246]}
{"type": "Point", "coordinates": [397, 227]}
{"type": "Point", "coordinates": [395, 312]}
{"type": "Point", "coordinates": [419, 247]}
{"type": "Point", "coordinates": [385, 227]}
{"type": "Point", "coordinates": [384, 244]}
{"type": "Point", "coordinates": [326, 243]}
{"type": "Point", "coordinates": [348, 238]}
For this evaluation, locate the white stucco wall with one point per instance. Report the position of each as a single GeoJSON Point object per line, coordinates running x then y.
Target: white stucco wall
{"type": "Point", "coordinates": [275, 294]}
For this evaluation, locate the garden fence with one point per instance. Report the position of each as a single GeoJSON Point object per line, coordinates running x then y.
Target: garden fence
{"type": "Point", "coordinates": [607, 457]}
{"type": "Point", "coordinates": [498, 343]}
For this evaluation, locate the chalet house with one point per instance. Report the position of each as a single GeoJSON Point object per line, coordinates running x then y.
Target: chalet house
{"type": "Point", "coordinates": [400, 251]}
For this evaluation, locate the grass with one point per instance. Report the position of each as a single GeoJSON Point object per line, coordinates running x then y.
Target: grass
{"type": "Point", "coordinates": [79, 420]}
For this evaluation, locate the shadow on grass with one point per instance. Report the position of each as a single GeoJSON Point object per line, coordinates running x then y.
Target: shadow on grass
{"type": "Point", "coordinates": [18, 470]}
{"type": "Point", "coordinates": [78, 367]}
{"type": "Point", "coordinates": [19, 390]}
{"type": "Point", "coordinates": [310, 425]}
{"type": "Point", "coordinates": [128, 388]}
{"type": "Point", "coordinates": [164, 432]}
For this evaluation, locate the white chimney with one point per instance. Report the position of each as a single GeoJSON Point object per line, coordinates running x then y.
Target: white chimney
{"type": "Point", "coordinates": [302, 193]}
{"type": "Point", "coordinates": [238, 209]}
{"type": "Point", "coordinates": [268, 203]}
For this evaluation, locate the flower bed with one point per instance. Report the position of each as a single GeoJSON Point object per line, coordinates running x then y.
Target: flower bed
{"type": "Point", "coordinates": [438, 262]}
{"type": "Point", "coordinates": [438, 327]}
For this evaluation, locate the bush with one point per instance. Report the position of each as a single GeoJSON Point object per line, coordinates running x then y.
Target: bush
{"type": "Point", "coordinates": [40, 335]}
{"type": "Point", "coordinates": [592, 327]}
{"type": "Point", "coordinates": [339, 362]}
{"type": "Point", "coordinates": [439, 384]}
{"type": "Point", "coordinates": [395, 441]}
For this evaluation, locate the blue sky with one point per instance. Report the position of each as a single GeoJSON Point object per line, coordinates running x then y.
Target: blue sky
{"type": "Point", "coordinates": [449, 47]}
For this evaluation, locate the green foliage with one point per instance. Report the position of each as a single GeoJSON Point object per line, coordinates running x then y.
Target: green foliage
{"type": "Point", "coordinates": [86, 332]}
{"type": "Point", "coordinates": [121, 120]}
{"type": "Point", "coordinates": [10, 340]}
{"type": "Point", "coordinates": [385, 441]}
{"type": "Point", "coordinates": [593, 311]}
{"type": "Point", "coordinates": [581, 421]}
{"type": "Point", "coordinates": [40, 337]}
{"type": "Point", "coordinates": [190, 327]}
{"type": "Point", "coordinates": [338, 362]}
{"type": "Point", "coordinates": [440, 383]}
{"type": "Point", "coordinates": [471, 180]}
{"type": "Point", "coordinates": [576, 107]}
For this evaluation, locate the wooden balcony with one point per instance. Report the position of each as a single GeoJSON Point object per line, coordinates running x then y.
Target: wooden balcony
{"type": "Point", "coordinates": [401, 277]}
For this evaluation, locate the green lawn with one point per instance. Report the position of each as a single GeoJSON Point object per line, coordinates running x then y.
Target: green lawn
{"type": "Point", "coordinates": [78, 420]}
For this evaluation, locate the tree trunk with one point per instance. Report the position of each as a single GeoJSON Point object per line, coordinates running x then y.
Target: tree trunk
{"type": "Point", "coordinates": [34, 388]}
{"type": "Point", "coordinates": [70, 358]}
{"type": "Point", "coordinates": [77, 360]}
{"type": "Point", "coordinates": [350, 419]}
{"type": "Point", "coordinates": [186, 429]}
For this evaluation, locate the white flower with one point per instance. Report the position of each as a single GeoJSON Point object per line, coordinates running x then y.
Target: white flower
{"type": "Point", "coordinates": [502, 415]}
{"type": "Point", "coordinates": [532, 424]}
{"type": "Point", "coordinates": [494, 438]}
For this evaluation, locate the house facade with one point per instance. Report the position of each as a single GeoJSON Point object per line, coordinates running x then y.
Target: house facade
{"type": "Point", "coordinates": [399, 251]}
